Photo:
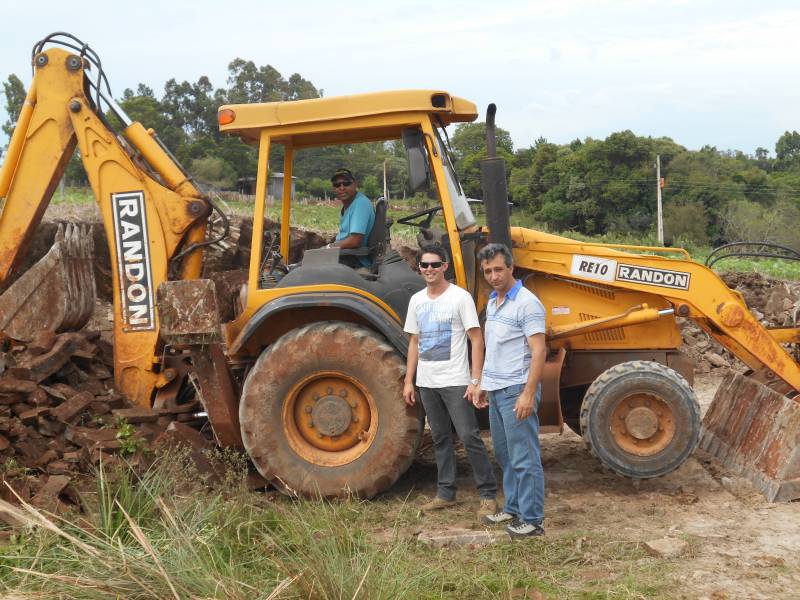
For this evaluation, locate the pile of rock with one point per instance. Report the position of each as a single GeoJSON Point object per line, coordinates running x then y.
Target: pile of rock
{"type": "Point", "coordinates": [59, 414]}
{"type": "Point", "coordinates": [772, 301]}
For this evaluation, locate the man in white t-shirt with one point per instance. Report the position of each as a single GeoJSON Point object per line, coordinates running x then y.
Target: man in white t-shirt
{"type": "Point", "coordinates": [439, 320]}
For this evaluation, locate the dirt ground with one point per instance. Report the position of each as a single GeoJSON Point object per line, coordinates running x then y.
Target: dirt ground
{"type": "Point", "coordinates": [740, 546]}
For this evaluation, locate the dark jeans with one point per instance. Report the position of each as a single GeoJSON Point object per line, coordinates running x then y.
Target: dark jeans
{"type": "Point", "coordinates": [441, 406]}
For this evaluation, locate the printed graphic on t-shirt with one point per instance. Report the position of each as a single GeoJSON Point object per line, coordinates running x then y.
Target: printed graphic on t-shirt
{"type": "Point", "coordinates": [435, 325]}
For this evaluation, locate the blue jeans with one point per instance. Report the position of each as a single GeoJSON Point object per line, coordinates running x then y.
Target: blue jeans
{"type": "Point", "coordinates": [516, 448]}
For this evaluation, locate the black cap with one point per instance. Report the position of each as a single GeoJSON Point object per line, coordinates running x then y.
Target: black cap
{"type": "Point", "coordinates": [342, 173]}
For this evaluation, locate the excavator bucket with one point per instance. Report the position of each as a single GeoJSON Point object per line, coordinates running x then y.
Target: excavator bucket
{"type": "Point", "coordinates": [755, 431]}
{"type": "Point", "coordinates": [55, 294]}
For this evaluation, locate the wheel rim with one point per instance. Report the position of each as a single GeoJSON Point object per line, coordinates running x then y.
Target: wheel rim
{"type": "Point", "coordinates": [642, 424]}
{"type": "Point", "coordinates": [329, 418]}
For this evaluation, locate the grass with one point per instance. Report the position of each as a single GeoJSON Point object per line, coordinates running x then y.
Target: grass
{"type": "Point", "coordinates": [78, 203]}
{"type": "Point", "coordinates": [162, 535]}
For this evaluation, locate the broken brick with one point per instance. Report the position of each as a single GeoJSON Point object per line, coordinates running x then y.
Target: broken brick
{"type": "Point", "coordinates": [108, 459]}
{"type": "Point", "coordinates": [99, 408]}
{"type": "Point", "coordinates": [72, 407]}
{"type": "Point", "coordinates": [47, 497]}
{"type": "Point", "coordinates": [41, 367]}
{"type": "Point", "coordinates": [65, 390]}
{"type": "Point", "coordinates": [135, 415]}
{"type": "Point", "coordinates": [42, 342]}
{"type": "Point", "coordinates": [180, 408]}
{"type": "Point", "coordinates": [86, 437]}
{"type": "Point", "coordinates": [93, 386]}
{"type": "Point", "coordinates": [59, 467]}
{"type": "Point", "coordinates": [75, 456]}
{"type": "Point", "coordinates": [178, 435]}
{"type": "Point", "coordinates": [48, 456]}
{"type": "Point", "coordinates": [13, 398]}
{"type": "Point", "coordinates": [49, 428]}
{"type": "Point", "coordinates": [18, 373]}
{"type": "Point", "coordinates": [39, 397]}
{"type": "Point", "coordinates": [24, 386]}
{"type": "Point", "coordinates": [100, 371]}
{"type": "Point", "coordinates": [20, 407]}
{"type": "Point", "coordinates": [31, 416]}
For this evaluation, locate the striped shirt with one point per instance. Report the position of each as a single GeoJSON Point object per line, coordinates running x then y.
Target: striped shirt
{"type": "Point", "coordinates": [508, 326]}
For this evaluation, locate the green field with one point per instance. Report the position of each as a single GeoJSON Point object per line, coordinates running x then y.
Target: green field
{"type": "Point", "coordinates": [324, 217]}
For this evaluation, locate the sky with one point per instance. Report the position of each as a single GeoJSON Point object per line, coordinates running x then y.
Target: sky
{"type": "Point", "coordinates": [700, 72]}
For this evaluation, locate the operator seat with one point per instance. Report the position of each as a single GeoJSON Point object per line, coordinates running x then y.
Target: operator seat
{"type": "Point", "coordinates": [378, 238]}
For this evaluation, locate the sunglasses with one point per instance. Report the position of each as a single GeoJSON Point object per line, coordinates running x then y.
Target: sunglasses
{"type": "Point", "coordinates": [430, 265]}
{"type": "Point", "coordinates": [343, 183]}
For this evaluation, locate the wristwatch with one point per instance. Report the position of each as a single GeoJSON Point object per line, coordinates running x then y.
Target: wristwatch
{"type": "Point", "coordinates": [474, 381]}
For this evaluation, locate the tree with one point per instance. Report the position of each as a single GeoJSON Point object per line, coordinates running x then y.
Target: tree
{"type": "Point", "coordinates": [469, 148]}
{"type": "Point", "coordinates": [787, 147]}
{"type": "Point", "coordinates": [685, 222]}
{"type": "Point", "coordinates": [14, 91]}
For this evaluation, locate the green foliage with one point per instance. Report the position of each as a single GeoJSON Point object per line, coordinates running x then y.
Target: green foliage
{"type": "Point", "coordinates": [469, 148]}
{"type": "Point", "coordinates": [588, 186]}
{"type": "Point", "coordinates": [686, 223]}
{"type": "Point", "coordinates": [745, 220]}
{"type": "Point", "coordinates": [14, 92]}
{"type": "Point", "coordinates": [214, 171]}
{"type": "Point", "coordinates": [129, 442]}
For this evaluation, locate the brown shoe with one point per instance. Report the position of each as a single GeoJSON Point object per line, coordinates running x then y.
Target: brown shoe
{"type": "Point", "coordinates": [437, 504]}
{"type": "Point", "coordinates": [488, 506]}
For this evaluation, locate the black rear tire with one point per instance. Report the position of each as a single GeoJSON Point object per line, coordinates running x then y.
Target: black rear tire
{"type": "Point", "coordinates": [640, 419]}
{"type": "Point", "coordinates": [297, 422]}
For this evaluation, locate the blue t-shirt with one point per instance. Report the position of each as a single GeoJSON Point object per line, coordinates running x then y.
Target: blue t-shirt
{"type": "Point", "coordinates": [359, 217]}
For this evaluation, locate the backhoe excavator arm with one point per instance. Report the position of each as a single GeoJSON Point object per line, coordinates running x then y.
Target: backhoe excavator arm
{"type": "Point", "coordinates": [151, 211]}
{"type": "Point", "coordinates": [693, 290]}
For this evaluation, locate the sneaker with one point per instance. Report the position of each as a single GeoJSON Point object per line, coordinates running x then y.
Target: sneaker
{"type": "Point", "coordinates": [497, 518]}
{"type": "Point", "coordinates": [520, 530]}
{"type": "Point", "coordinates": [488, 506]}
{"type": "Point", "coordinates": [437, 504]}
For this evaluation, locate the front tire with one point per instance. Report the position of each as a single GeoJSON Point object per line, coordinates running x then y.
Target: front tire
{"type": "Point", "coordinates": [322, 412]}
{"type": "Point", "coordinates": [640, 419]}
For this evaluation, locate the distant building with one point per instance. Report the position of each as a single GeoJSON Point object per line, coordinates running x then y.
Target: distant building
{"type": "Point", "coordinates": [247, 185]}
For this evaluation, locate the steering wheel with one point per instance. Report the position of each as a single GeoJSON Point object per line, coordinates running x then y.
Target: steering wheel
{"type": "Point", "coordinates": [428, 213]}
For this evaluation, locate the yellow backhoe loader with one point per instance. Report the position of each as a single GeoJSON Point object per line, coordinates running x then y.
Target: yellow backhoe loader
{"type": "Point", "coordinates": [307, 376]}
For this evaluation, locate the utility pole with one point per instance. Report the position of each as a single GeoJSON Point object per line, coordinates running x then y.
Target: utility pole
{"type": "Point", "coordinates": [658, 196]}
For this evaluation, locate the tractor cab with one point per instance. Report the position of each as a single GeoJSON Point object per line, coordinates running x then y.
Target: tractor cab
{"type": "Point", "coordinates": [418, 119]}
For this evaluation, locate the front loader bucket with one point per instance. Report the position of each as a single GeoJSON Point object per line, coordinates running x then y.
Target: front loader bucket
{"type": "Point", "coordinates": [755, 431]}
{"type": "Point", "coordinates": [55, 294]}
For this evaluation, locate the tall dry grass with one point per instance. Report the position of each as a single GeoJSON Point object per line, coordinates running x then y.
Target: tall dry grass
{"type": "Point", "coordinates": [162, 535]}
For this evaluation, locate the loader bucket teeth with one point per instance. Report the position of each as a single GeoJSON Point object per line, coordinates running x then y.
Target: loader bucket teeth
{"type": "Point", "coordinates": [55, 294]}
{"type": "Point", "coordinates": [755, 431]}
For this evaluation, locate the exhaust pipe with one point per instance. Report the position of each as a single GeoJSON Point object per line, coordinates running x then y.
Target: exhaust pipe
{"type": "Point", "coordinates": [495, 190]}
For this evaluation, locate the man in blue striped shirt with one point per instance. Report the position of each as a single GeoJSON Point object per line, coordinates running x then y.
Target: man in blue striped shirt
{"type": "Point", "coordinates": [512, 373]}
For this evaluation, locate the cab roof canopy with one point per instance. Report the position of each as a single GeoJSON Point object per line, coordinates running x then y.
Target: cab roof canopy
{"type": "Point", "coordinates": [344, 119]}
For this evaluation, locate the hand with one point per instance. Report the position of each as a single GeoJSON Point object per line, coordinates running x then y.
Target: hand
{"type": "Point", "coordinates": [473, 393]}
{"type": "Point", "coordinates": [482, 400]}
{"type": "Point", "coordinates": [409, 394]}
{"type": "Point", "coordinates": [524, 406]}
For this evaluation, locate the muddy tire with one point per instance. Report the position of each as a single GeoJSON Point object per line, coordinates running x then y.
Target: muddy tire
{"type": "Point", "coordinates": [640, 419]}
{"type": "Point", "coordinates": [322, 412]}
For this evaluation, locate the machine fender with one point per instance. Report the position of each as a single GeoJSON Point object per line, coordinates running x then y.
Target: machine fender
{"type": "Point", "coordinates": [366, 310]}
